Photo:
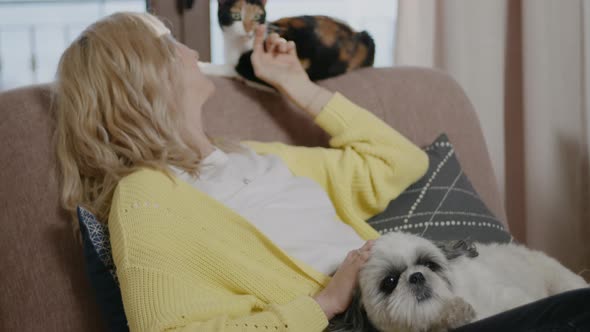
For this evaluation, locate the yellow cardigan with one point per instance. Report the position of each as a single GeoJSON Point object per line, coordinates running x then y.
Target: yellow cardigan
{"type": "Point", "coordinates": [185, 262]}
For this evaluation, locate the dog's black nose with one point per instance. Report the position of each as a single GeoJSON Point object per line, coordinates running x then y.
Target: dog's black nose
{"type": "Point", "coordinates": [417, 278]}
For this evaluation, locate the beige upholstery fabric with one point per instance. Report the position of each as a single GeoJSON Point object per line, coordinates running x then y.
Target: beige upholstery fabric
{"type": "Point", "coordinates": [43, 286]}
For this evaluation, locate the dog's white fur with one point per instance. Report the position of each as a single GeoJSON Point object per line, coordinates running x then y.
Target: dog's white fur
{"type": "Point", "coordinates": [464, 289]}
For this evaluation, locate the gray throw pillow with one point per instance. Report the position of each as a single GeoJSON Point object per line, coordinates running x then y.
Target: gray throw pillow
{"type": "Point", "coordinates": [442, 205]}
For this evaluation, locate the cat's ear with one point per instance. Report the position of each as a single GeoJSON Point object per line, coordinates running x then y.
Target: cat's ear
{"type": "Point", "coordinates": [263, 2]}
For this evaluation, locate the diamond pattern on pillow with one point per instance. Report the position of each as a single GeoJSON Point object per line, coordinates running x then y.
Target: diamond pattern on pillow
{"type": "Point", "coordinates": [101, 270]}
{"type": "Point", "coordinates": [442, 205]}
{"type": "Point", "coordinates": [98, 234]}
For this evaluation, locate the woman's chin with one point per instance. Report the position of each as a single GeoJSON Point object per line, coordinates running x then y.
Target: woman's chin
{"type": "Point", "coordinates": [211, 89]}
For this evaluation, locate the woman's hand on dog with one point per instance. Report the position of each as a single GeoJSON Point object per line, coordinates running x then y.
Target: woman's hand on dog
{"type": "Point", "coordinates": [336, 297]}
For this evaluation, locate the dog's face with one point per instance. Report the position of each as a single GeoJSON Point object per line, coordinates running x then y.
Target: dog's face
{"type": "Point", "coordinates": [406, 283]}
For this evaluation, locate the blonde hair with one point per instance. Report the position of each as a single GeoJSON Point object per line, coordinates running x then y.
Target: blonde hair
{"type": "Point", "coordinates": [115, 109]}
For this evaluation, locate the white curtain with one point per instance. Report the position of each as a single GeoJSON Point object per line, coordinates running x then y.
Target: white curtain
{"type": "Point", "coordinates": [525, 66]}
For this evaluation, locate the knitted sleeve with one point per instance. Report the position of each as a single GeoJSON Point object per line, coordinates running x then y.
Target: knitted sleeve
{"type": "Point", "coordinates": [157, 301]}
{"type": "Point", "coordinates": [369, 163]}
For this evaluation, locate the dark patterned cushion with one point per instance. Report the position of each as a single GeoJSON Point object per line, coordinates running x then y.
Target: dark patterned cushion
{"type": "Point", "coordinates": [101, 269]}
{"type": "Point", "coordinates": [443, 205]}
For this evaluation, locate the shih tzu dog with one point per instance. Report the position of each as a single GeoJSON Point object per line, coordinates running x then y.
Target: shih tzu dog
{"type": "Point", "coordinates": [412, 284]}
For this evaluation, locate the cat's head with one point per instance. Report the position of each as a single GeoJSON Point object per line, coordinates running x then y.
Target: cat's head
{"type": "Point", "coordinates": [240, 17]}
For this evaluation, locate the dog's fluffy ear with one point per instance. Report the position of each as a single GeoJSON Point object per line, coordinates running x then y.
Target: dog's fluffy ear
{"type": "Point", "coordinates": [353, 319]}
{"type": "Point", "coordinates": [454, 249]}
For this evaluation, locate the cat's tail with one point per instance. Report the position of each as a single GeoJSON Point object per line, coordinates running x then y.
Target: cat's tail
{"type": "Point", "coordinates": [365, 38]}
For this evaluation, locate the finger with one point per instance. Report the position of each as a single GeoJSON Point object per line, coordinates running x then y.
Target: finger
{"type": "Point", "coordinates": [365, 256]}
{"type": "Point", "coordinates": [274, 47]}
{"type": "Point", "coordinates": [259, 39]}
{"type": "Point", "coordinates": [280, 44]}
{"type": "Point", "coordinates": [351, 256]}
{"type": "Point", "coordinates": [292, 50]}
{"type": "Point", "coordinates": [367, 245]}
{"type": "Point", "coordinates": [360, 257]}
{"type": "Point", "coordinates": [270, 40]}
{"type": "Point", "coordinates": [358, 260]}
{"type": "Point", "coordinates": [283, 47]}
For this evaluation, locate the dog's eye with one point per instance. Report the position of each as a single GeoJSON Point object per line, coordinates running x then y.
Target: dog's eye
{"type": "Point", "coordinates": [388, 284]}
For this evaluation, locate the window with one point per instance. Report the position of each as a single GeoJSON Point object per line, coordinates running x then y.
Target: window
{"type": "Point", "coordinates": [376, 16]}
{"type": "Point", "coordinates": [33, 34]}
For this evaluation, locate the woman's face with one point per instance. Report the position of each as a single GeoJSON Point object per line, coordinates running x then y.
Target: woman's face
{"type": "Point", "coordinates": [197, 87]}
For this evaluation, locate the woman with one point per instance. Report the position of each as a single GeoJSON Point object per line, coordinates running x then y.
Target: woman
{"type": "Point", "coordinates": [130, 131]}
{"type": "Point", "coordinates": [210, 240]}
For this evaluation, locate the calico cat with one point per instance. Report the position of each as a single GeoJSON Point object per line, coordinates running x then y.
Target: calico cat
{"type": "Point", "coordinates": [326, 47]}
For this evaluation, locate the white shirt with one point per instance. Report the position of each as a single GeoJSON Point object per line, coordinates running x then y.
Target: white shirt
{"type": "Point", "coordinates": [294, 212]}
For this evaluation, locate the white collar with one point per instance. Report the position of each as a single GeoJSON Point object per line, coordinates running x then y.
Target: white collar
{"type": "Point", "coordinates": [216, 159]}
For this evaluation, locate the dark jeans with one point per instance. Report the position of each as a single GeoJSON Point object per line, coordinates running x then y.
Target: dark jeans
{"type": "Point", "coordinates": [569, 311]}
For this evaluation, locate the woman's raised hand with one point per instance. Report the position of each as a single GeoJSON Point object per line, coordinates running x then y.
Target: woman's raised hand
{"type": "Point", "coordinates": [275, 60]}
